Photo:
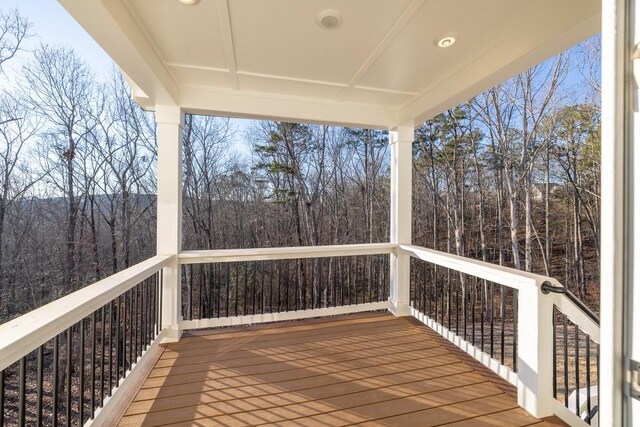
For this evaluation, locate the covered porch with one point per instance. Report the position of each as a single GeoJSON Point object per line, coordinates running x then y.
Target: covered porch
{"type": "Point", "coordinates": [459, 341]}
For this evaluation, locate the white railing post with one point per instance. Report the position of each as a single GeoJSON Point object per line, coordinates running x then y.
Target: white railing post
{"type": "Point", "coordinates": [535, 351]}
{"type": "Point", "coordinates": [170, 122]}
{"type": "Point", "coordinates": [400, 141]}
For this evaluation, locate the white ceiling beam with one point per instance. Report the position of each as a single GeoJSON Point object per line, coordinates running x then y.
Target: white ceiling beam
{"type": "Point", "coordinates": [227, 36]}
{"type": "Point", "coordinates": [242, 104]}
{"type": "Point", "coordinates": [395, 29]}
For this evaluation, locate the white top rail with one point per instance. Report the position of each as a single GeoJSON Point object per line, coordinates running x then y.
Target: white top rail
{"type": "Point", "coordinates": [510, 277]}
{"type": "Point", "coordinates": [506, 276]}
{"type": "Point", "coordinates": [20, 336]}
{"type": "Point", "coordinates": [266, 254]}
{"type": "Point", "coordinates": [577, 316]}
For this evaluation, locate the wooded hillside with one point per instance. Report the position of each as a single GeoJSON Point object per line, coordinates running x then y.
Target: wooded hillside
{"type": "Point", "coordinates": [511, 177]}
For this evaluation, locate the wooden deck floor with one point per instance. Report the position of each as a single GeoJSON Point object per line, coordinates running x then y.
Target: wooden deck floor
{"type": "Point", "coordinates": [372, 369]}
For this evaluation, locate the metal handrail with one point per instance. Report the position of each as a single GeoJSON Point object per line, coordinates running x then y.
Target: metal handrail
{"type": "Point", "coordinates": [547, 287]}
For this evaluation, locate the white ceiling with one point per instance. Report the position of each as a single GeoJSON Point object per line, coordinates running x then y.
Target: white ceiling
{"type": "Point", "coordinates": [269, 58]}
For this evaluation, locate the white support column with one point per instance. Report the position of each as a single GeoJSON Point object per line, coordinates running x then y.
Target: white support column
{"type": "Point", "coordinates": [620, 229]}
{"type": "Point", "coordinates": [401, 141]}
{"type": "Point", "coordinates": [170, 121]}
{"type": "Point", "coordinates": [535, 358]}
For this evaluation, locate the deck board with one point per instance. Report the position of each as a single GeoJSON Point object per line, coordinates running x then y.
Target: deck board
{"type": "Point", "coordinates": [372, 369]}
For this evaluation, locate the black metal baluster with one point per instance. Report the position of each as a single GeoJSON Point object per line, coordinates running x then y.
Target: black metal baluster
{"type": "Point", "coordinates": [143, 317]}
{"type": "Point", "coordinates": [502, 316]}
{"type": "Point", "coordinates": [54, 380]}
{"type": "Point", "coordinates": [465, 307]}
{"type": "Point", "coordinates": [436, 298]}
{"type": "Point", "coordinates": [554, 354]}
{"type": "Point", "coordinates": [577, 366]}
{"type": "Point", "coordinates": [245, 289]}
{"type": "Point", "coordinates": [81, 374]}
{"type": "Point", "coordinates": [189, 271]}
{"type": "Point", "coordinates": [492, 310]}
{"type": "Point", "coordinates": [110, 383]}
{"type": "Point", "coordinates": [118, 302]}
{"type": "Point", "coordinates": [474, 297]}
{"type": "Point", "coordinates": [262, 294]}
{"type": "Point", "coordinates": [588, 357]}
{"type": "Point", "coordinates": [280, 286]}
{"type": "Point", "coordinates": [218, 286]}
{"type": "Point", "coordinates": [39, 380]}
{"type": "Point", "coordinates": [287, 287]}
{"type": "Point", "coordinates": [449, 304]}
{"type": "Point", "coordinates": [158, 308]}
{"type": "Point", "coordinates": [129, 348]}
{"type": "Point", "coordinates": [458, 286]}
{"type": "Point", "coordinates": [102, 350]}
{"type": "Point", "coordinates": [93, 364]}
{"type": "Point", "coordinates": [514, 313]}
{"type": "Point", "coordinates": [69, 368]}
{"type": "Point", "coordinates": [161, 279]}
{"type": "Point", "coordinates": [362, 277]}
{"type": "Point", "coordinates": [145, 301]}
{"type": "Point", "coordinates": [442, 291]}
{"type": "Point", "coordinates": [126, 317]}
{"type": "Point", "coordinates": [153, 287]}
{"type": "Point", "coordinates": [22, 392]}
{"type": "Point", "coordinates": [565, 334]}
{"type": "Point", "coordinates": [200, 292]}
{"type": "Point", "coordinates": [2, 397]}
{"type": "Point", "coordinates": [140, 330]}
{"type": "Point", "coordinates": [271, 264]}
{"type": "Point", "coordinates": [228, 288]}
{"type": "Point", "coordinates": [482, 313]}
{"type": "Point", "coordinates": [253, 293]}
{"type": "Point", "coordinates": [236, 283]}
{"type": "Point", "coordinates": [136, 317]}
{"type": "Point", "coordinates": [149, 324]}
{"type": "Point", "coordinates": [598, 368]}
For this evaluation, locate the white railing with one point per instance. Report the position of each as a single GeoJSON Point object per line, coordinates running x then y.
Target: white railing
{"type": "Point", "coordinates": [527, 324]}
{"type": "Point", "coordinates": [249, 286]}
{"type": "Point", "coordinates": [530, 320]}
{"type": "Point", "coordinates": [89, 341]}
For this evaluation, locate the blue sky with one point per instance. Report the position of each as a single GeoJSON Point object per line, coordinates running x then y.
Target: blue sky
{"type": "Point", "coordinates": [51, 24]}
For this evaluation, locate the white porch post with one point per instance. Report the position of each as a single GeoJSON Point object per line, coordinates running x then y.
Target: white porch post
{"type": "Point", "coordinates": [535, 358]}
{"type": "Point", "coordinates": [400, 141]}
{"type": "Point", "coordinates": [170, 121]}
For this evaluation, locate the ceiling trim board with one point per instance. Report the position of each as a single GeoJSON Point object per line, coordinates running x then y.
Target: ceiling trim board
{"type": "Point", "coordinates": [395, 29]}
{"type": "Point", "coordinates": [227, 37]}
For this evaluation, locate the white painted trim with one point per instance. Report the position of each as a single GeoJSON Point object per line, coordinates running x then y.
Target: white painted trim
{"type": "Point", "coordinates": [567, 416]}
{"type": "Point", "coordinates": [614, 231]}
{"type": "Point", "coordinates": [577, 316]}
{"type": "Point", "coordinates": [271, 106]}
{"type": "Point", "coordinates": [129, 384]}
{"type": "Point", "coordinates": [266, 254]}
{"type": "Point", "coordinates": [505, 276]}
{"type": "Point", "coordinates": [482, 357]}
{"type": "Point", "coordinates": [282, 316]}
{"type": "Point", "coordinates": [20, 336]}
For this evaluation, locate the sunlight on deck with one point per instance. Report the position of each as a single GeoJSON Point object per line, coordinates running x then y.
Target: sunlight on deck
{"type": "Point", "coordinates": [372, 369]}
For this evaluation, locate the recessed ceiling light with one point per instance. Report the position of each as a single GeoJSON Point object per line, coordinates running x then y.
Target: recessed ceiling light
{"type": "Point", "coordinates": [446, 41]}
{"type": "Point", "coordinates": [188, 2]}
{"type": "Point", "coordinates": [329, 19]}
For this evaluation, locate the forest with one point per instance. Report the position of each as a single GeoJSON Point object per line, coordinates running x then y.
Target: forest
{"type": "Point", "coordinates": [510, 177]}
